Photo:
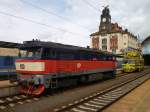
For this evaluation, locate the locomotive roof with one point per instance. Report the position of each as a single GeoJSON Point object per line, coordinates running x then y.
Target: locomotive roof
{"type": "Point", "coordinates": [4, 44]}
{"type": "Point", "coordinates": [36, 44]}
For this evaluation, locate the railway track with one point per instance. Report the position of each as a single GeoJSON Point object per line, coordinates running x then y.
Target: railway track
{"type": "Point", "coordinates": [100, 100]}
{"type": "Point", "coordinates": [11, 89]}
{"type": "Point", "coordinates": [11, 101]}
{"type": "Point", "coordinates": [6, 103]}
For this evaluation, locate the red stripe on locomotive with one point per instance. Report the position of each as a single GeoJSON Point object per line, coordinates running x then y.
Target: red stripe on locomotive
{"type": "Point", "coordinates": [71, 66]}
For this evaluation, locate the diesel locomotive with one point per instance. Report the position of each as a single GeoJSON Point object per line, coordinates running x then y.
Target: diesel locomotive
{"type": "Point", "coordinates": [133, 61]}
{"type": "Point", "coordinates": [49, 65]}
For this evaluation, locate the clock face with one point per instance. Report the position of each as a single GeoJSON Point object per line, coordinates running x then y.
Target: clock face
{"type": "Point", "coordinates": [104, 19]}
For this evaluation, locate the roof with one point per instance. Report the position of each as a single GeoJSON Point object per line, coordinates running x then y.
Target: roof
{"type": "Point", "coordinates": [4, 44]}
{"type": "Point", "coordinates": [145, 41]}
{"type": "Point", "coordinates": [36, 44]}
{"type": "Point", "coordinates": [115, 28]}
{"type": "Point", "coordinates": [96, 33]}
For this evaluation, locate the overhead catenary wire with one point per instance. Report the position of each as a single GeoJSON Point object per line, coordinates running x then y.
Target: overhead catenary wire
{"type": "Point", "coordinates": [97, 10]}
{"type": "Point", "coordinates": [52, 13]}
{"type": "Point", "coordinates": [37, 22]}
{"type": "Point", "coordinates": [93, 7]}
{"type": "Point", "coordinates": [90, 5]}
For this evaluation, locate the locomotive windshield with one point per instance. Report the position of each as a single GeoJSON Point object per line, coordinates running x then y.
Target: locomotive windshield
{"type": "Point", "coordinates": [31, 53]}
{"type": "Point", "coordinates": [130, 61]}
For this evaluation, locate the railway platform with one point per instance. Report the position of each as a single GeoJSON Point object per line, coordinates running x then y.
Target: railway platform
{"type": "Point", "coordinates": [8, 89]}
{"type": "Point", "coordinates": [5, 83]}
{"type": "Point", "coordinates": [137, 100]}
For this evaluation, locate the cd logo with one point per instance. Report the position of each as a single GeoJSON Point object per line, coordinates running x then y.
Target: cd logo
{"type": "Point", "coordinates": [78, 65]}
{"type": "Point", "coordinates": [22, 66]}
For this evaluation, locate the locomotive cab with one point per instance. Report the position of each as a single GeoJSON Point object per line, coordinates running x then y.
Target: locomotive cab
{"type": "Point", "coordinates": [29, 68]}
{"type": "Point", "coordinates": [133, 61]}
{"type": "Point", "coordinates": [129, 65]}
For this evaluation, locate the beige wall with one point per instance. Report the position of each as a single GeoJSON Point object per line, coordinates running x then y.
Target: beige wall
{"type": "Point", "coordinates": [9, 52]}
{"type": "Point", "coordinates": [124, 41]}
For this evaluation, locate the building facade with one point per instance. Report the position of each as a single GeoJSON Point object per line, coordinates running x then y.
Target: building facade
{"type": "Point", "coordinates": [9, 48]}
{"type": "Point", "coordinates": [111, 37]}
{"type": "Point", "coordinates": [9, 52]}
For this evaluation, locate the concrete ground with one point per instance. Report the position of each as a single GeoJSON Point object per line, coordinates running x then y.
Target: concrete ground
{"type": "Point", "coordinates": [8, 89]}
{"type": "Point", "coordinates": [136, 101]}
{"type": "Point", "coordinates": [5, 83]}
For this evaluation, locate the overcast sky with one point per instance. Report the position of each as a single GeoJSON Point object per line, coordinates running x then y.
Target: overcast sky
{"type": "Point", "coordinates": [68, 21]}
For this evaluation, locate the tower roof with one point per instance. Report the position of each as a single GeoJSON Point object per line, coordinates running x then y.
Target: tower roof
{"type": "Point", "coordinates": [105, 11]}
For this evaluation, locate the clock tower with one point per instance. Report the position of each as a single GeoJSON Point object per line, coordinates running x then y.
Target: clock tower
{"type": "Point", "coordinates": [105, 23]}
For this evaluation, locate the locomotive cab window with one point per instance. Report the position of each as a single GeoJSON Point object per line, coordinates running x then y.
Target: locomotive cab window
{"type": "Point", "coordinates": [64, 55]}
{"type": "Point", "coordinates": [31, 53]}
{"type": "Point", "coordinates": [48, 53]}
{"type": "Point", "coordinates": [129, 61]}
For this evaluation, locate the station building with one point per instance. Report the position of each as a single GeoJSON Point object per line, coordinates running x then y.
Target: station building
{"type": "Point", "coordinates": [8, 49]}
{"type": "Point", "coordinates": [113, 38]}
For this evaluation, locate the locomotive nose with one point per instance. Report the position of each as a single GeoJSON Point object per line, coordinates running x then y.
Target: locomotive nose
{"type": "Point", "coordinates": [32, 85]}
{"type": "Point", "coordinates": [128, 67]}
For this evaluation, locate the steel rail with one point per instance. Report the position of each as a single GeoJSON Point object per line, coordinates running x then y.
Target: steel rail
{"type": "Point", "coordinates": [100, 100]}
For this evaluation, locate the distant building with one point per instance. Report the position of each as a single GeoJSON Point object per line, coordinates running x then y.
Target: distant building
{"type": "Point", "coordinates": [8, 49]}
{"type": "Point", "coordinates": [111, 37]}
{"type": "Point", "coordinates": [9, 52]}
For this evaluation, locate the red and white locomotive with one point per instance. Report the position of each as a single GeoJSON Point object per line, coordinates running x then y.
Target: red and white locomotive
{"type": "Point", "coordinates": [53, 65]}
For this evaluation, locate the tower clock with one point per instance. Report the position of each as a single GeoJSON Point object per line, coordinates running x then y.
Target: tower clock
{"type": "Point", "coordinates": [105, 23]}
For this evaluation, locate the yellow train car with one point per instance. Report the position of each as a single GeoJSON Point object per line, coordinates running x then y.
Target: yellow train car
{"type": "Point", "coordinates": [133, 61]}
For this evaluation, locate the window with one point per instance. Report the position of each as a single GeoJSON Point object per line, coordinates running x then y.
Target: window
{"type": "Point", "coordinates": [49, 53]}
{"type": "Point", "coordinates": [31, 53]}
{"type": "Point", "coordinates": [65, 55]}
{"type": "Point", "coordinates": [104, 41]}
{"type": "Point", "coordinates": [104, 47]}
{"type": "Point", "coordinates": [104, 44]}
{"type": "Point", "coordinates": [114, 50]}
{"type": "Point", "coordinates": [95, 42]}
